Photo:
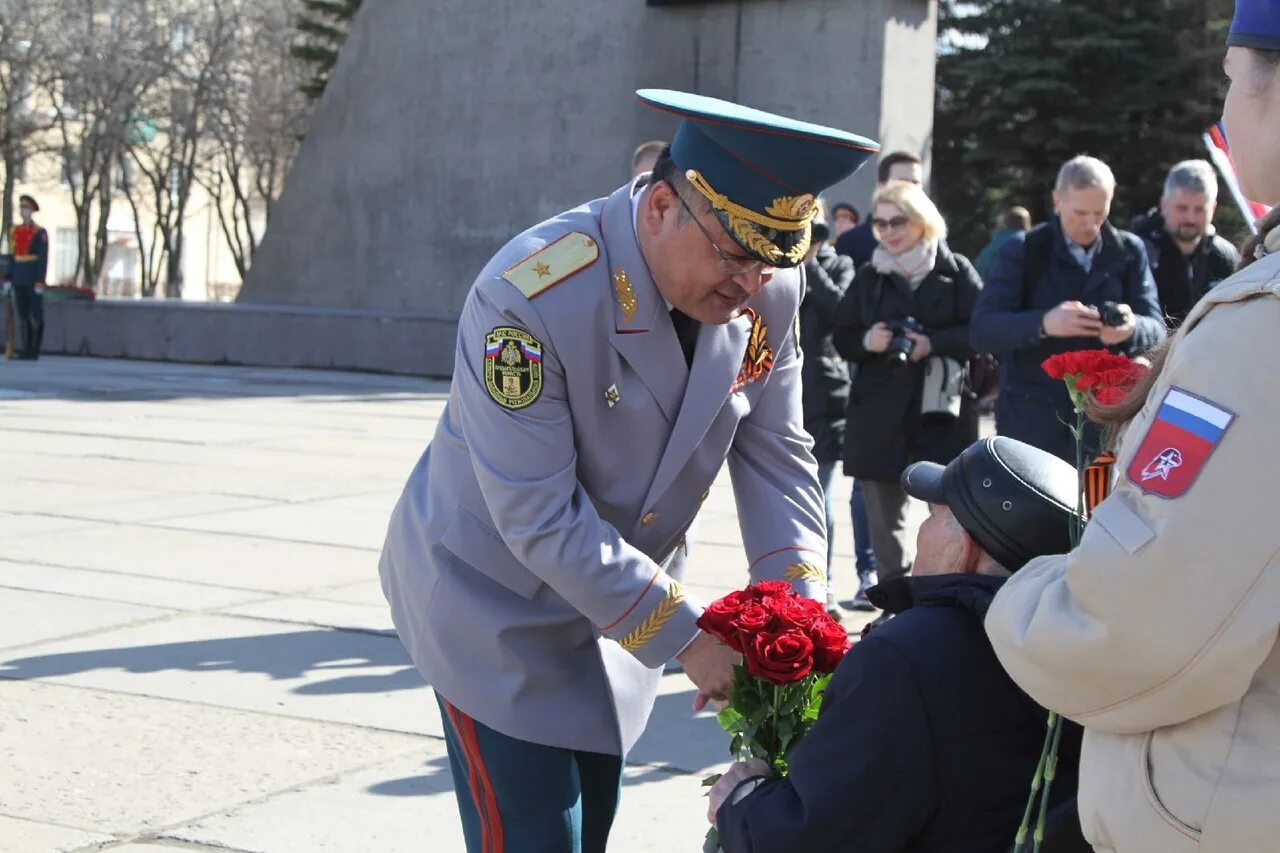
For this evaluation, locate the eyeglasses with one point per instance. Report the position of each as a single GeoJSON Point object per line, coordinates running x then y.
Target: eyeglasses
{"type": "Point", "coordinates": [728, 263]}
{"type": "Point", "coordinates": [894, 224]}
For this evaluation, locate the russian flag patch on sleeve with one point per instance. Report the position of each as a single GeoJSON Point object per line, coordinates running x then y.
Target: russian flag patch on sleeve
{"type": "Point", "coordinates": [1178, 443]}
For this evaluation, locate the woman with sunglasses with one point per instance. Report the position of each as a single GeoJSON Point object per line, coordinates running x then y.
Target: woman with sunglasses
{"type": "Point", "coordinates": [905, 323]}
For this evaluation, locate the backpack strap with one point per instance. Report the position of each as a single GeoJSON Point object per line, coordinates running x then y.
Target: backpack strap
{"type": "Point", "coordinates": [1037, 249]}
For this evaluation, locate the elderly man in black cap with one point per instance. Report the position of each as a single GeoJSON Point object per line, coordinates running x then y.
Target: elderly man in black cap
{"type": "Point", "coordinates": [924, 742]}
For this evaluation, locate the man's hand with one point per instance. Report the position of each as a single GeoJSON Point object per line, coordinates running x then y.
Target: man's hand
{"type": "Point", "coordinates": [1073, 319]}
{"type": "Point", "coordinates": [1115, 335]}
{"type": "Point", "coordinates": [709, 665]}
{"type": "Point", "coordinates": [812, 253]}
{"type": "Point", "coordinates": [878, 338]}
{"type": "Point", "coordinates": [738, 773]}
{"type": "Point", "coordinates": [922, 346]}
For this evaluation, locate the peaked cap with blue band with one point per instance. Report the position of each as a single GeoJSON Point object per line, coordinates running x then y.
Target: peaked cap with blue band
{"type": "Point", "coordinates": [1256, 24]}
{"type": "Point", "coordinates": [760, 172]}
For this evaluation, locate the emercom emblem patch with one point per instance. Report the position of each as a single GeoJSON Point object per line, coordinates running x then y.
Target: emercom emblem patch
{"type": "Point", "coordinates": [512, 367]}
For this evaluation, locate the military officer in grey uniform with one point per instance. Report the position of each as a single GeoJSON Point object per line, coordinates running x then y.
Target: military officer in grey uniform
{"type": "Point", "coordinates": [609, 361]}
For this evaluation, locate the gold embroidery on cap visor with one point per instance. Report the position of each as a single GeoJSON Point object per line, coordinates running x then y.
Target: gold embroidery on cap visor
{"type": "Point", "coordinates": [786, 213]}
{"type": "Point", "coordinates": [512, 367]}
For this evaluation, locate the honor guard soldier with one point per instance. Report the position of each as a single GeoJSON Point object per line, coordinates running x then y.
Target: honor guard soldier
{"type": "Point", "coordinates": [609, 361]}
{"type": "Point", "coordinates": [28, 263]}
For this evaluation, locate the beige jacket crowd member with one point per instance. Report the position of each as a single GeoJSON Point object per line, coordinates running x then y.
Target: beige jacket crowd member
{"type": "Point", "coordinates": [1159, 632]}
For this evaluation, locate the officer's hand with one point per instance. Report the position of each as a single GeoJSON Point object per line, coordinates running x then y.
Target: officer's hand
{"type": "Point", "coordinates": [734, 776]}
{"type": "Point", "coordinates": [709, 665]}
{"type": "Point", "coordinates": [922, 346]}
{"type": "Point", "coordinates": [878, 338]}
{"type": "Point", "coordinates": [1073, 319]}
{"type": "Point", "coordinates": [1113, 335]}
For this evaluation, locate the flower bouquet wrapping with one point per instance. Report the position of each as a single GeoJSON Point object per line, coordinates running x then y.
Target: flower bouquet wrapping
{"type": "Point", "coordinates": [789, 647]}
{"type": "Point", "coordinates": [1091, 376]}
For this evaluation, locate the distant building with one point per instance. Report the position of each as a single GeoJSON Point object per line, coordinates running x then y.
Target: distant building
{"type": "Point", "coordinates": [447, 128]}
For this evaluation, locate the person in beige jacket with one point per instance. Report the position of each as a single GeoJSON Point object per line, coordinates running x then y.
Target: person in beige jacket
{"type": "Point", "coordinates": [1159, 632]}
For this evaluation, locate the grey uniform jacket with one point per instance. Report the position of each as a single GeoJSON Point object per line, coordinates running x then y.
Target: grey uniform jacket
{"type": "Point", "coordinates": [533, 562]}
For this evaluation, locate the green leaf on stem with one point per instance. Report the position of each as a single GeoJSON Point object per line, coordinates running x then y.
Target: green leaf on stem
{"type": "Point", "coordinates": [729, 719]}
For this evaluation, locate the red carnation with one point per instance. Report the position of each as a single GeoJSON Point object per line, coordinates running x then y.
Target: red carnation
{"type": "Point", "coordinates": [1107, 377]}
{"type": "Point", "coordinates": [1111, 386]}
{"type": "Point", "coordinates": [780, 657]}
{"type": "Point", "coordinates": [1083, 362]}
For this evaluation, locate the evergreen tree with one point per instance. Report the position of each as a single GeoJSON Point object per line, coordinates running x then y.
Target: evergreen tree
{"type": "Point", "coordinates": [323, 25]}
{"type": "Point", "coordinates": [1024, 85]}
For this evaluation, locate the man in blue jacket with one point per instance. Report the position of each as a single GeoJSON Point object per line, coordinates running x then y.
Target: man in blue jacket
{"type": "Point", "coordinates": [1073, 283]}
{"type": "Point", "coordinates": [924, 743]}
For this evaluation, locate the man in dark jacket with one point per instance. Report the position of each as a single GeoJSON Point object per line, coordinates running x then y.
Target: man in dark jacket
{"type": "Point", "coordinates": [1015, 220]}
{"type": "Point", "coordinates": [825, 376]}
{"type": "Point", "coordinates": [1187, 256]}
{"type": "Point", "coordinates": [859, 242]}
{"type": "Point", "coordinates": [1047, 295]}
{"type": "Point", "coordinates": [924, 743]}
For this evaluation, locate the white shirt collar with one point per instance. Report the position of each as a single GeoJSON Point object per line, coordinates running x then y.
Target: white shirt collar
{"type": "Point", "coordinates": [1083, 256]}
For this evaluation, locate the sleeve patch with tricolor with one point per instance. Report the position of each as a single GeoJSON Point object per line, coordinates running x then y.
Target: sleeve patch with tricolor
{"type": "Point", "coordinates": [1178, 444]}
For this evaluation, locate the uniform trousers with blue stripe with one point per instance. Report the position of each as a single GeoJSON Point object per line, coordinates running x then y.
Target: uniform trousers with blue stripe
{"type": "Point", "coordinates": [520, 797]}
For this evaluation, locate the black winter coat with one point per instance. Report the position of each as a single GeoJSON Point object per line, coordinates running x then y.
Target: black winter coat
{"type": "Point", "coordinates": [825, 375]}
{"type": "Point", "coordinates": [884, 432]}
{"type": "Point", "coordinates": [924, 743]}
{"type": "Point", "coordinates": [1182, 280]}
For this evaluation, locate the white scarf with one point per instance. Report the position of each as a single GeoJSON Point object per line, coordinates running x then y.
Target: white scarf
{"type": "Point", "coordinates": [913, 264]}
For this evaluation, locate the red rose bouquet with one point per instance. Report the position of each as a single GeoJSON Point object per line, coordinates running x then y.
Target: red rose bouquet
{"type": "Point", "coordinates": [790, 646]}
{"type": "Point", "coordinates": [1103, 377]}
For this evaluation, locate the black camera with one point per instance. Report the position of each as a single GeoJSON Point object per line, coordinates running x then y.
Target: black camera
{"type": "Point", "coordinates": [899, 351]}
{"type": "Point", "coordinates": [1111, 314]}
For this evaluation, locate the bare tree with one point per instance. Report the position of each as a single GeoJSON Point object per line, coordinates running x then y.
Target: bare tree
{"type": "Point", "coordinates": [205, 36]}
{"type": "Point", "coordinates": [256, 128]}
{"type": "Point", "coordinates": [26, 67]}
{"type": "Point", "coordinates": [111, 53]}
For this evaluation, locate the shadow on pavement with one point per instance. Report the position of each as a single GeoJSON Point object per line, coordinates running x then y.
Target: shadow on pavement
{"type": "Point", "coordinates": [438, 781]}
{"type": "Point", "coordinates": [336, 662]}
{"type": "Point", "coordinates": [300, 654]}
{"type": "Point", "coordinates": [107, 380]}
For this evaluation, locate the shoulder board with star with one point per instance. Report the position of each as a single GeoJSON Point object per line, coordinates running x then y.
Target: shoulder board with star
{"type": "Point", "coordinates": [553, 263]}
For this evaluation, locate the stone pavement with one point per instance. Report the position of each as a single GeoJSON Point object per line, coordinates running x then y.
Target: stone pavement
{"type": "Point", "coordinates": [195, 653]}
